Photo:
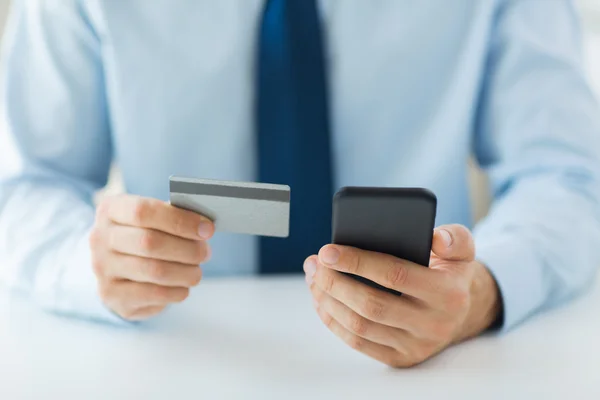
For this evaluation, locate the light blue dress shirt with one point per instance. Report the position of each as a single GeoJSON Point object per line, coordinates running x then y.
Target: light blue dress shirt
{"type": "Point", "coordinates": [165, 87]}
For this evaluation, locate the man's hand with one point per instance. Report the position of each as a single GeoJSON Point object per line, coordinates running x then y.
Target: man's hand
{"type": "Point", "coordinates": [452, 300]}
{"type": "Point", "coordinates": [146, 254]}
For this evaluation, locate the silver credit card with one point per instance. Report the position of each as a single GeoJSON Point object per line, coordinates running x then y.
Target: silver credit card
{"type": "Point", "coordinates": [240, 207]}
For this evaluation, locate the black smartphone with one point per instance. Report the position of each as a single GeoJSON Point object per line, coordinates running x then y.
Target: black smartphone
{"type": "Point", "coordinates": [395, 221]}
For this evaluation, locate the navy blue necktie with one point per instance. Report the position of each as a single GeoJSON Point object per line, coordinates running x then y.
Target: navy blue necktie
{"type": "Point", "coordinates": [292, 126]}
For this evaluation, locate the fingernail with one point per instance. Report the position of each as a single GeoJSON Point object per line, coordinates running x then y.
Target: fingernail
{"type": "Point", "coordinates": [310, 267]}
{"type": "Point", "coordinates": [205, 230]}
{"type": "Point", "coordinates": [446, 237]}
{"type": "Point", "coordinates": [330, 255]}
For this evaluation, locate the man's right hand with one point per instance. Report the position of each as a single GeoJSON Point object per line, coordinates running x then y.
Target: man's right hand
{"type": "Point", "coordinates": [146, 254]}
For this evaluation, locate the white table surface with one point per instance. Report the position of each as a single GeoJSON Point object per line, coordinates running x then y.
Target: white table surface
{"type": "Point", "coordinates": [260, 339]}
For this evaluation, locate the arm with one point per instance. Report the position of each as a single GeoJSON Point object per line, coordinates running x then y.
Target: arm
{"type": "Point", "coordinates": [538, 138]}
{"type": "Point", "coordinates": [55, 151]}
{"type": "Point", "coordinates": [133, 256]}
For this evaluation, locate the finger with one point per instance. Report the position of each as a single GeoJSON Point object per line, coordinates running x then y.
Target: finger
{"type": "Point", "coordinates": [454, 243]}
{"type": "Point", "coordinates": [127, 296]}
{"type": "Point", "coordinates": [388, 271]}
{"type": "Point", "coordinates": [310, 267]}
{"type": "Point", "coordinates": [148, 270]}
{"type": "Point", "coordinates": [145, 313]}
{"type": "Point", "coordinates": [358, 325]}
{"type": "Point", "coordinates": [155, 214]}
{"type": "Point", "coordinates": [384, 354]}
{"type": "Point", "coordinates": [150, 243]}
{"type": "Point", "coordinates": [370, 303]}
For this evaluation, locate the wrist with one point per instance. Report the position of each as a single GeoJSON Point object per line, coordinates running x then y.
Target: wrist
{"type": "Point", "coordinates": [486, 303]}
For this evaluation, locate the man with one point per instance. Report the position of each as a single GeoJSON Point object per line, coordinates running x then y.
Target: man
{"type": "Point", "coordinates": [317, 95]}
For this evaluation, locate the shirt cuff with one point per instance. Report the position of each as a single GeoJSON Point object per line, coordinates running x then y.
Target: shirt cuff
{"type": "Point", "coordinates": [518, 273]}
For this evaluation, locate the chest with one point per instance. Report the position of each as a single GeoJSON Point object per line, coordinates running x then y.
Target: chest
{"type": "Point", "coordinates": [187, 67]}
{"type": "Point", "coordinates": [176, 47]}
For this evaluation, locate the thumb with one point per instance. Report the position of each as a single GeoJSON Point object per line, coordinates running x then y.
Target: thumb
{"type": "Point", "coordinates": [454, 243]}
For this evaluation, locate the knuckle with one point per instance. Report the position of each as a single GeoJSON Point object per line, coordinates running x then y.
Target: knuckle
{"type": "Point", "coordinates": [201, 253]}
{"type": "Point", "coordinates": [358, 325]}
{"type": "Point", "coordinates": [208, 254]}
{"type": "Point", "coordinates": [196, 277]}
{"type": "Point", "coordinates": [141, 211]}
{"type": "Point", "coordinates": [157, 270]}
{"type": "Point", "coordinates": [411, 362]}
{"type": "Point", "coordinates": [145, 314]}
{"type": "Point", "coordinates": [395, 360]}
{"type": "Point", "coordinates": [149, 241]}
{"type": "Point", "coordinates": [112, 237]}
{"type": "Point", "coordinates": [97, 265]}
{"type": "Point", "coordinates": [102, 208]}
{"type": "Point", "coordinates": [161, 293]}
{"type": "Point", "coordinates": [154, 312]}
{"type": "Point", "coordinates": [95, 239]}
{"type": "Point", "coordinates": [318, 294]}
{"type": "Point", "coordinates": [179, 225]}
{"type": "Point", "coordinates": [327, 320]}
{"type": "Point", "coordinates": [421, 353]}
{"type": "Point", "coordinates": [356, 342]}
{"type": "Point", "coordinates": [373, 308]}
{"type": "Point", "coordinates": [104, 291]}
{"type": "Point", "coordinates": [354, 262]}
{"type": "Point", "coordinates": [128, 313]}
{"type": "Point", "coordinates": [328, 282]}
{"type": "Point", "coordinates": [446, 280]}
{"type": "Point", "coordinates": [456, 299]}
{"type": "Point", "coordinates": [180, 295]}
{"type": "Point", "coordinates": [397, 274]}
{"type": "Point", "coordinates": [440, 331]}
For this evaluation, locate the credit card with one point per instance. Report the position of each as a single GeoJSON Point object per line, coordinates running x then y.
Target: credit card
{"type": "Point", "coordinates": [261, 209]}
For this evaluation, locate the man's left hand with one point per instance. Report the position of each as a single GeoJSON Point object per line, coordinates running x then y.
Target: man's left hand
{"type": "Point", "coordinates": [454, 299]}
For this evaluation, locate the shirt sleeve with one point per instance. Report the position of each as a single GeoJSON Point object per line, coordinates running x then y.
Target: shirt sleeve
{"type": "Point", "coordinates": [538, 138]}
{"type": "Point", "coordinates": [55, 152]}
